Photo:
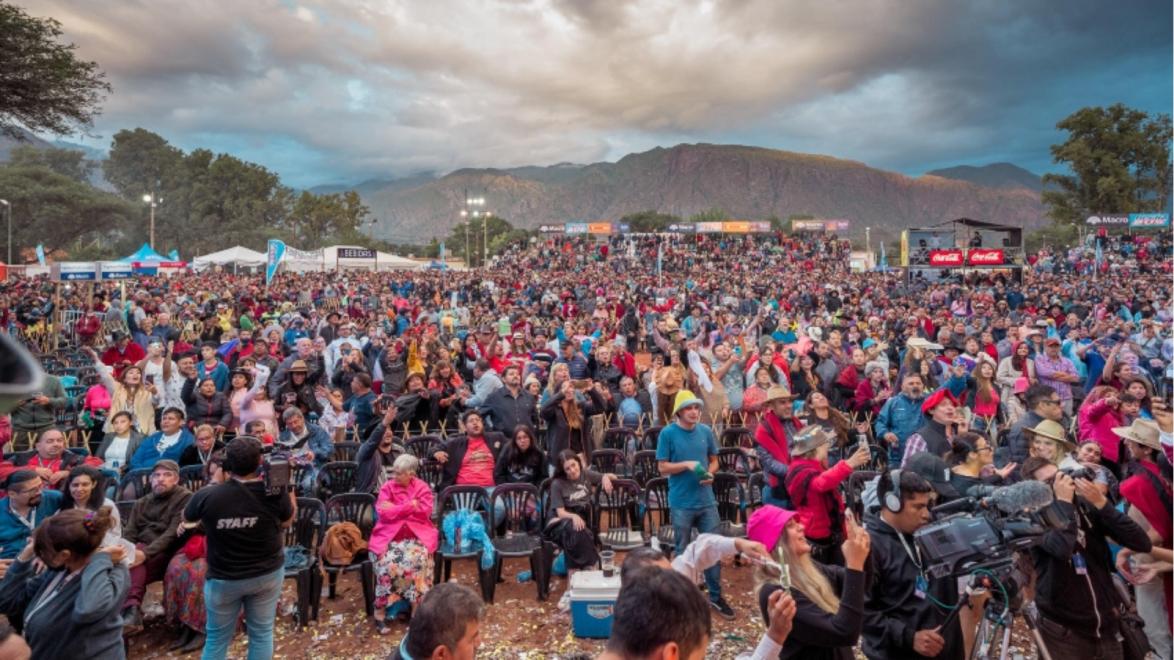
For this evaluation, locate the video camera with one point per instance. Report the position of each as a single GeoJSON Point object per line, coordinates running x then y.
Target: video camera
{"type": "Point", "coordinates": [276, 470]}
{"type": "Point", "coordinates": [984, 534]}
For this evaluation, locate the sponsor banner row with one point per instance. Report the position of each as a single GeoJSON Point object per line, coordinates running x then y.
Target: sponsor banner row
{"type": "Point", "coordinates": [603, 228]}
{"type": "Point", "coordinates": [1131, 220]}
{"type": "Point", "coordinates": [955, 257]}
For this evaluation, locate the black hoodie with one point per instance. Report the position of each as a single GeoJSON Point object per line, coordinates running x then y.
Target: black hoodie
{"type": "Point", "coordinates": [893, 611]}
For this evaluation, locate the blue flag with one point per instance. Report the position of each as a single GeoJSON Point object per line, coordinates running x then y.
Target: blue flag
{"type": "Point", "coordinates": [40, 254]}
{"type": "Point", "coordinates": [276, 252]}
{"type": "Point", "coordinates": [884, 260]}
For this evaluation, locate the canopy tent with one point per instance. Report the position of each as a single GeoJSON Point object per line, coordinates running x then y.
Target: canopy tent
{"type": "Point", "coordinates": [234, 256]}
{"type": "Point", "coordinates": [146, 254]}
{"type": "Point", "coordinates": [382, 261]}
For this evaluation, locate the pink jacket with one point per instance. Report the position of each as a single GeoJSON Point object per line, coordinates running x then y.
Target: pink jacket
{"type": "Point", "coordinates": [398, 506]}
{"type": "Point", "coordinates": [1095, 422]}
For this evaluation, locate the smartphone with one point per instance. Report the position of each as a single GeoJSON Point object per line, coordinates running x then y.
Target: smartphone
{"type": "Point", "coordinates": [850, 516]}
{"type": "Point", "coordinates": [150, 378]}
{"type": "Point", "coordinates": [581, 384]}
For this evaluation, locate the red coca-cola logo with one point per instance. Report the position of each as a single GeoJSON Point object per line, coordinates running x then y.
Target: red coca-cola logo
{"type": "Point", "coordinates": [945, 257]}
{"type": "Point", "coordinates": [985, 257]}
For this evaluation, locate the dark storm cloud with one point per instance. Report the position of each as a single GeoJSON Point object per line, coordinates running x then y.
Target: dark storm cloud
{"type": "Point", "coordinates": [342, 89]}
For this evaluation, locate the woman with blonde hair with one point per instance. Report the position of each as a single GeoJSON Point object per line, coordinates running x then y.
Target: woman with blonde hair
{"type": "Point", "coordinates": [829, 600]}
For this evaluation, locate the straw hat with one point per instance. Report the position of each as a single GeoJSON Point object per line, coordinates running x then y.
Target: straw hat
{"type": "Point", "coordinates": [1052, 431]}
{"type": "Point", "coordinates": [1143, 432]}
{"type": "Point", "coordinates": [777, 392]}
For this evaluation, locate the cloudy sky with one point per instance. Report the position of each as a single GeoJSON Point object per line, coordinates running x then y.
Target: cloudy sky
{"type": "Point", "coordinates": [344, 90]}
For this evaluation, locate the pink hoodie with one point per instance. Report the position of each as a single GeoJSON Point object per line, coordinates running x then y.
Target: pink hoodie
{"type": "Point", "coordinates": [1095, 421]}
{"type": "Point", "coordinates": [403, 506]}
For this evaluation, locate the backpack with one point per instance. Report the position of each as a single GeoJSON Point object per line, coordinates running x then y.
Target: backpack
{"type": "Point", "coordinates": [340, 545]}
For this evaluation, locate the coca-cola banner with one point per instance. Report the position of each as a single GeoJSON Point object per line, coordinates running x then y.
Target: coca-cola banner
{"type": "Point", "coordinates": [984, 257]}
{"type": "Point", "coordinates": [945, 258]}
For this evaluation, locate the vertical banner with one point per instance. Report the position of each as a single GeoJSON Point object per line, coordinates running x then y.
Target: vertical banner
{"type": "Point", "coordinates": [884, 260]}
{"type": "Point", "coordinates": [276, 252]}
{"type": "Point", "coordinates": [40, 254]}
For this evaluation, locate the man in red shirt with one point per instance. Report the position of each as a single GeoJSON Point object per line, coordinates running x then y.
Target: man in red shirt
{"type": "Point", "coordinates": [122, 353]}
{"type": "Point", "coordinates": [469, 459]}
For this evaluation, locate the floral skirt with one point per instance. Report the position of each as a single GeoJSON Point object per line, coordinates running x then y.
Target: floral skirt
{"type": "Point", "coordinates": [183, 591]}
{"type": "Point", "coordinates": [403, 572]}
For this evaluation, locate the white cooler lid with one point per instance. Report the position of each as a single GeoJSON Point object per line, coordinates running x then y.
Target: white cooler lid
{"type": "Point", "coordinates": [592, 584]}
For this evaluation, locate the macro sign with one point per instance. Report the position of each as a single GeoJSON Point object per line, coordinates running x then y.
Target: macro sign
{"type": "Point", "coordinates": [1107, 220]}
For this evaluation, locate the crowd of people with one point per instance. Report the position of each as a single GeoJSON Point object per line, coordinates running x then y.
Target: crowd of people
{"type": "Point", "coordinates": [758, 365]}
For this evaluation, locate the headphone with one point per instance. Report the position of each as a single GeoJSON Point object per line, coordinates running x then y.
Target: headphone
{"type": "Point", "coordinates": [893, 497]}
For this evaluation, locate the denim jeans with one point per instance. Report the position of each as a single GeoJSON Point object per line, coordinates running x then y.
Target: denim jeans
{"type": "Point", "coordinates": [705, 520]}
{"type": "Point", "coordinates": [224, 599]}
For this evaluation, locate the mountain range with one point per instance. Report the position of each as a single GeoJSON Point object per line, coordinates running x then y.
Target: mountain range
{"type": "Point", "coordinates": [744, 182]}
{"type": "Point", "coordinates": [749, 183]}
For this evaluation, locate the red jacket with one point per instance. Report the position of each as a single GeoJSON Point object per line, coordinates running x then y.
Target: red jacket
{"type": "Point", "coordinates": [112, 357]}
{"type": "Point", "coordinates": [815, 497]}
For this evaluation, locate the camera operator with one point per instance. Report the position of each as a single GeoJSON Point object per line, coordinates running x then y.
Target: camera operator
{"type": "Point", "coordinates": [244, 526]}
{"type": "Point", "coordinates": [905, 609]}
{"type": "Point", "coordinates": [1077, 601]}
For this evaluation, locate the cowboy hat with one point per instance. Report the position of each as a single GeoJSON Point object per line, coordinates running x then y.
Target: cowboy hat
{"type": "Point", "coordinates": [922, 343]}
{"type": "Point", "coordinates": [809, 439]}
{"type": "Point", "coordinates": [776, 393]}
{"type": "Point", "coordinates": [1052, 431]}
{"type": "Point", "coordinates": [1142, 431]}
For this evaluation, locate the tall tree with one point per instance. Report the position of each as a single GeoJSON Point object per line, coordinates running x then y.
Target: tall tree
{"type": "Point", "coordinates": [66, 162]}
{"type": "Point", "coordinates": [43, 85]}
{"type": "Point", "coordinates": [1120, 163]}
{"type": "Point", "coordinates": [59, 211]}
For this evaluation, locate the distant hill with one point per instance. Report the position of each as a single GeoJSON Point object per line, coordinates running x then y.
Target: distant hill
{"type": "Point", "coordinates": [97, 179]}
{"type": "Point", "coordinates": [995, 175]}
{"type": "Point", "coordinates": [7, 144]}
{"type": "Point", "coordinates": [745, 182]}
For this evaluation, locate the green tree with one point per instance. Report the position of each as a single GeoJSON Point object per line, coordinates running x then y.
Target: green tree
{"type": "Point", "coordinates": [142, 162]}
{"type": "Point", "coordinates": [67, 162]}
{"type": "Point", "coordinates": [59, 212]}
{"type": "Point", "coordinates": [43, 86]}
{"type": "Point", "coordinates": [649, 221]}
{"type": "Point", "coordinates": [1120, 163]}
{"type": "Point", "coordinates": [712, 215]}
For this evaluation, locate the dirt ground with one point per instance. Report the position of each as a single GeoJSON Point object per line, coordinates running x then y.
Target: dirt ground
{"type": "Point", "coordinates": [517, 626]}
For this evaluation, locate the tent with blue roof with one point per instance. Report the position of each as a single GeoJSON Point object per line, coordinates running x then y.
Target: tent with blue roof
{"type": "Point", "coordinates": [146, 254]}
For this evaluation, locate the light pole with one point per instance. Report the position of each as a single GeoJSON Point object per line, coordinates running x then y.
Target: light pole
{"type": "Point", "coordinates": [153, 201]}
{"type": "Point", "coordinates": [8, 210]}
{"type": "Point", "coordinates": [476, 213]}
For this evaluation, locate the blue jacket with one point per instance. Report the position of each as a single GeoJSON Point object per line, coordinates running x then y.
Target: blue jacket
{"type": "Point", "coordinates": [902, 416]}
{"type": "Point", "coordinates": [14, 533]}
{"type": "Point", "coordinates": [318, 442]}
{"type": "Point", "coordinates": [147, 455]}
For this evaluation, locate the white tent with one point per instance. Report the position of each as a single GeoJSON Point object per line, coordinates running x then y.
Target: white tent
{"type": "Point", "coordinates": [382, 261]}
{"type": "Point", "coordinates": [233, 256]}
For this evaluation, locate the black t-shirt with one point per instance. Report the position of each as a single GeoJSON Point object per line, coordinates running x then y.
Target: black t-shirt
{"type": "Point", "coordinates": [243, 526]}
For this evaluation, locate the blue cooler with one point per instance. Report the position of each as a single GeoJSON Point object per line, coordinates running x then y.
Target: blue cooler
{"type": "Point", "coordinates": [593, 603]}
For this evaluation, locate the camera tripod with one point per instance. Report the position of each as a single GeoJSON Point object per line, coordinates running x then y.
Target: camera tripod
{"type": "Point", "coordinates": [993, 637]}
